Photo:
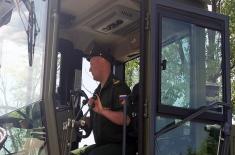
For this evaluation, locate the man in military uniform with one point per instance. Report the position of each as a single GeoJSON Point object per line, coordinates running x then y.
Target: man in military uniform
{"type": "Point", "coordinates": [107, 115]}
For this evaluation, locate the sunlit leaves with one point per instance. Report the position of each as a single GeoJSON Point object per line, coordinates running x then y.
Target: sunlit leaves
{"type": "Point", "coordinates": [132, 72]}
{"type": "Point", "coordinates": [228, 8]}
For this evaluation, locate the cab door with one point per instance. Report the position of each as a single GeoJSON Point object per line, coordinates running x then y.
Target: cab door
{"type": "Point", "coordinates": [187, 84]}
{"type": "Point", "coordinates": [49, 77]}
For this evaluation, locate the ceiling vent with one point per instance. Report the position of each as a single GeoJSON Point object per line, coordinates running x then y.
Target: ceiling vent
{"type": "Point", "coordinates": [128, 29]}
{"type": "Point", "coordinates": [114, 19]}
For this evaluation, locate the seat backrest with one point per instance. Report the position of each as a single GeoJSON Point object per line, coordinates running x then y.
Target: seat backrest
{"type": "Point", "coordinates": [133, 111]}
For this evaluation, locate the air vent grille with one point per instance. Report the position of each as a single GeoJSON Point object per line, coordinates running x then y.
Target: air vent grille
{"type": "Point", "coordinates": [114, 19]}
{"type": "Point", "coordinates": [128, 29]}
{"type": "Point", "coordinates": [126, 13]}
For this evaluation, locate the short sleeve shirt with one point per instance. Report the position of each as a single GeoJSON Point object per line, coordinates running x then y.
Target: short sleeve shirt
{"type": "Point", "coordinates": [104, 130]}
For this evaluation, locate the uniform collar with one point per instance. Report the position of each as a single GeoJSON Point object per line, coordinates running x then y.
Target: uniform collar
{"type": "Point", "coordinates": [109, 81]}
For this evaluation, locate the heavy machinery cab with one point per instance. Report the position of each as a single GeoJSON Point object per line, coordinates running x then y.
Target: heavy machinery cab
{"type": "Point", "coordinates": [177, 52]}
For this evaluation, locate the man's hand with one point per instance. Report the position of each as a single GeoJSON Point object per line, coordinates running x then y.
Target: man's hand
{"type": "Point", "coordinates": [114, 116]}
{"type": "Point", "coordinates": [98, 106]}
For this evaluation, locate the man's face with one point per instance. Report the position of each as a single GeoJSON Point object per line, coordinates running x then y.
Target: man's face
{"type": "Point", "coordinates": [96, 64]}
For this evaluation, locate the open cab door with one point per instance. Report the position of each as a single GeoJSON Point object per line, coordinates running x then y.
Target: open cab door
{"type": "Point", "coordinates": [187, 80]}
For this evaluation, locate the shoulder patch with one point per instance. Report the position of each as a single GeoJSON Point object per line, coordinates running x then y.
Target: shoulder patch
{"type": "Point", "coordinates": [115, 82]}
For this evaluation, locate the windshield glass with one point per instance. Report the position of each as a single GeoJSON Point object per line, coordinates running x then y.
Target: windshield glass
{"type": "Point", "coordinates": [20, 83]}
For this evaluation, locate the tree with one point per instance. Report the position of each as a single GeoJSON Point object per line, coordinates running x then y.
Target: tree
{"type": "Point", "coordinates": [132, 72]}
{"type": "Point", "coordinates": [227, 7]}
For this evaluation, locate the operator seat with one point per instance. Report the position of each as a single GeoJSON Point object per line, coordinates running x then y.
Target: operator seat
{"type": "Point", "coordinates": [133, 111]}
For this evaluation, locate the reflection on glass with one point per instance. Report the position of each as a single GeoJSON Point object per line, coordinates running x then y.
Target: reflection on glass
{"type": "Point", "coordinates": [193, 75]}
{"type": "Point", "coordinates": [26, 134]}
{"type": "Point", "coordinates": [21, 84]}
{"type": "Point", "coordinates": [58, 68]}
{"type": "Point", "coordinates": [190, 139]}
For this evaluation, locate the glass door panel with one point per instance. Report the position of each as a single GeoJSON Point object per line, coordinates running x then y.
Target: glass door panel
{"type": "Point", "coordinates": [189, 139]}
{"type": "Point", "coordinates": [192, 75]}
{"type": "Point", "coordinates": [191, 50]}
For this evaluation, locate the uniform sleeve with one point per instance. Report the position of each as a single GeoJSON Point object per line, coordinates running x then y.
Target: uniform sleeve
{"type": "Point", "coordinates": [120, 89]}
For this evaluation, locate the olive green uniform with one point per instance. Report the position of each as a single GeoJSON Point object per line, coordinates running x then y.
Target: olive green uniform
{"type": "Point", "coordinates": [107, 135]}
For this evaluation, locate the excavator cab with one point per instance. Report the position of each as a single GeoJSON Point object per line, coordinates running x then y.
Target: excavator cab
{"type": "Point", "coordinates": [176, 50]}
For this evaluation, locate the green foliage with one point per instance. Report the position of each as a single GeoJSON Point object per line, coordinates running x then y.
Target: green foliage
{"type": "Point", "coordinates": [190, 151]}
{"type": "Point", "coordinates": [208, 146]}
{"type": "Point", "coordinates": [175, 78]}
{"type": "Point", "coordinates": [228, 8]}
{"type": "Point", "coordinates": [132, 72]}
{"type": "Point", "coordinates": [233, 95]}
{"type": "Point", "coordinates": [213, 55]}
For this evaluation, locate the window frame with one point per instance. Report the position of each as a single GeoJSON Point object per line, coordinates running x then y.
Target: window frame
{"type": "Point", "coordinates": [200, 18]}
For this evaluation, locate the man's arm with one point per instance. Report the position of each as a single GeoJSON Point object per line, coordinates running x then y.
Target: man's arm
{"type": "Point", "coordinates": [116, 117]}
